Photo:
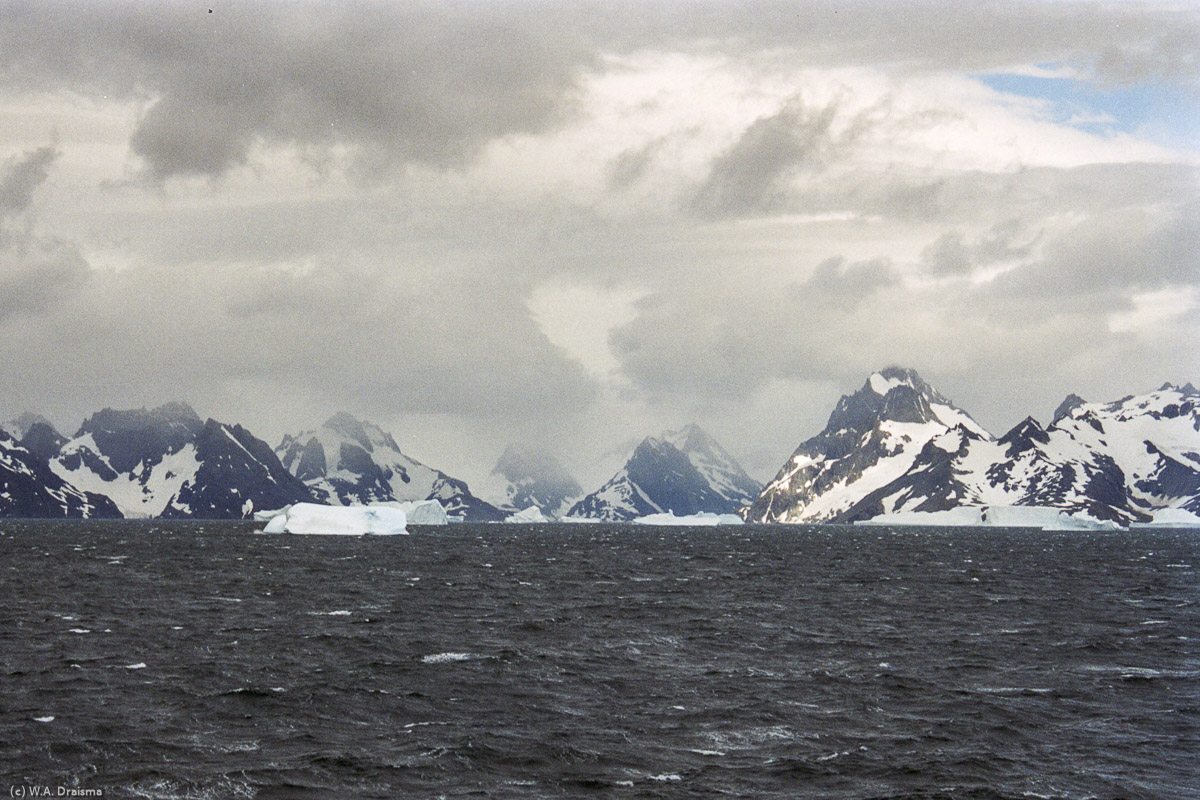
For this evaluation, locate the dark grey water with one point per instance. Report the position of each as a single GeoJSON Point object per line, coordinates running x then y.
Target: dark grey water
{"type": "Point", "coordinates": [195, 660]}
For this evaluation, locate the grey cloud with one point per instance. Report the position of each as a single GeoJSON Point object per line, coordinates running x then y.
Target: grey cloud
{"type": "Point", "coordinates": [433, 82]}
{"type": "Point", "coordinates": [948, 255]}
{"type": "Point", "coordinates": [36, 273]}
{"type": "Point", "coordinates": [421, 81]}
{"type": "Point", "coordinates": [630, 165]}
{"type": "Point", "coordinates": [20, 175]}
{"type": "Point", "coordinates": [752, 176]}
{"type": "Point", "coordinates": [835, 281]}
{"type": "Point", "coordinates": [951, 254]}
{"type": "Point", "coordinates": [334, 338]}
{"type": "Point", "coordinates": [688, 344]}
{"type": "Point", "coordinates": [1125, 250]}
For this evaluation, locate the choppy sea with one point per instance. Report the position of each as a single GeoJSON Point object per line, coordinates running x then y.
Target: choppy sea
{"type": "Point", "coordinates": [199, 660]}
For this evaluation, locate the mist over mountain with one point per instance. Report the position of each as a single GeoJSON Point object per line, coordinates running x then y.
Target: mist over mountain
{"type": "Point", "coordinates": [349, 462]}
{"type": "Point", "coordinates": [533, 477]}
{"type": "Point", "coordinates": [682, 472]}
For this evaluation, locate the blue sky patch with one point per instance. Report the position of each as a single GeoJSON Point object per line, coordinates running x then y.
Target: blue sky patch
{"type": "Point", "coordinates": [1156, 111]}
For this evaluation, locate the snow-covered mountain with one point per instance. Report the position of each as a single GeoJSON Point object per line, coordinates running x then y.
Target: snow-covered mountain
{"type": "Point", "coordinates": [348, 462]}
{"type": "Point", "coordinates": [235, 475]}
{"type": "Point", "coordinates": [533, 478]}
{"type": "Point", "coordinates": [683, 472]}
{"type": "Point", "coordinates": [166, 462]}
{"type": "Point", "coordinates": [873, 437]}
{"type": "Point", "coordinates": [29, 488]}
{"type": "Point", "coordinates": [1119, 461]}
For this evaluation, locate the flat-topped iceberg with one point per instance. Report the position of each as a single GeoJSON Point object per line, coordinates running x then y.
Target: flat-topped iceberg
{"type": "Point", "coordinates": [1049, 519]}
{"type": "Point", "coordinates": [527, 515]}
{"type": "Point", "coordinates": [703, 518]}
{"type": "Point", "coordinates": [311, 518]}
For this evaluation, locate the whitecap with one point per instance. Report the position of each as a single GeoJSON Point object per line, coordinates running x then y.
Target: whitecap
{"type": "Point", "coordinates": [79, 630]}
{"type": "Point", "coordinates": [666, 776]}
{"type": "Point", "coordinates": [445, 658]}
{"type": "Point", "coordinates": [139, 665]}
{"type": "Point", "coordinates": [338, 613]}
{"type": "Point", "coordinates": [43, 719]}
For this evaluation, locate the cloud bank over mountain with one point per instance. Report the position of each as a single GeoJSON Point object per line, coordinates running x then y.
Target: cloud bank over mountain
{"type": "Point", "coordinates": [484, 223]}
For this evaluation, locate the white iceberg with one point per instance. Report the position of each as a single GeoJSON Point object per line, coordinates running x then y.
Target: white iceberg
{"type": "Point", "coordinates": [268, 515]}
{"type": "Point", "coordinates": [311, 518]}
{"type": "Point", "coordinates": [703, 518]}
{"type": "Point", "coordinates": [423, 512]}
{"type": "Point", "coordinates": [527, 515]}
{"type": "Point", "coordinates": [1171, 518]}
{"type": "Point", "coordinates": [1046, 518]}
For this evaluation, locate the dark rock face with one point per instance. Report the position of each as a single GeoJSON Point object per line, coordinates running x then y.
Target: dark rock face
{"type": "Point", "coordinates": [42, 440]}
{"type": "Point", "coordinates": [535, 478]}
{"type": "Point", "coordinates": [29, 488]}
{"type": "Point", "coordinates": [718, 468]}
{"type": "Point", "coordinates": [660, 477]}
{"type": "Point", "coordinates": [129, 438]}
{"type": "Point", "coordinates": [238, 474]}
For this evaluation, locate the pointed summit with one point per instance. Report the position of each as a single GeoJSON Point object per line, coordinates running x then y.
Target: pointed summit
{"type": "Point", "coordinates": [683, 472]}
{"type": "Point", "coordinates": [889, 378]}
{"type": "Point", "coordinates": [873, 436]}
{"type": "Point", "coordinates": [1069, 404]}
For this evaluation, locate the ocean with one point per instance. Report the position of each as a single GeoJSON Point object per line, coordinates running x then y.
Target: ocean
{"type": "Point", "coordinates": [199, 660]}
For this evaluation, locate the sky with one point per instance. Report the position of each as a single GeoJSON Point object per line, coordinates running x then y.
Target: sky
{"type": "Point", "coordinates": [578, 224]}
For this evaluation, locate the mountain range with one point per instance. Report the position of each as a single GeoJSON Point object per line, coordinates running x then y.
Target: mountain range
{"type": "Point", "coordinates": [896, 445]}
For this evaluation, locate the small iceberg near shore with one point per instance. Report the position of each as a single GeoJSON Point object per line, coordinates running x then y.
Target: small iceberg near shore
{"type": "Point", "coordinates": [422, 512]}
{"type": "Point", "coordinates": [527, 515]}
{"type": "Point", "coordinates": [703, 518]}
{"type": "Point", "coordinates": [1046, 518]}
{"type": "Point", "coordinates": [1171, 518]}
{"type": "Point", "coordinates": [311, 518]}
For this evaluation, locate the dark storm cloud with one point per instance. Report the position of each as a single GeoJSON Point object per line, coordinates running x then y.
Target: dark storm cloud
{"type": "Point", "coordinates": [422, 81]}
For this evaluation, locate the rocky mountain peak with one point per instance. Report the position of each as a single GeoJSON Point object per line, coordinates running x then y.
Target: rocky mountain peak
{"type": "Point", "coordinates": [1069, 404]}
{"type": "Point", "coordinates": [19, 427]}
{"type": "Point", "coordinates": [349, 427]}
